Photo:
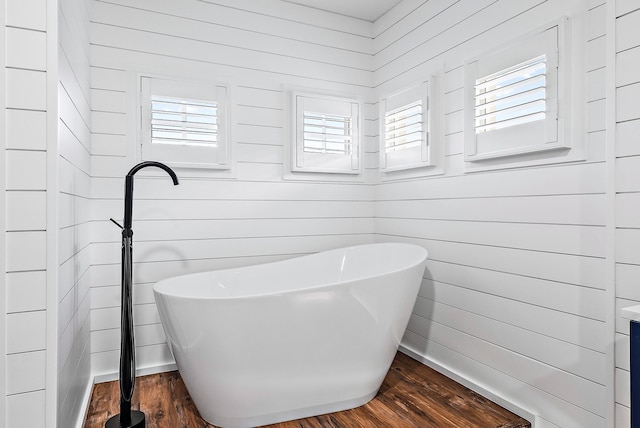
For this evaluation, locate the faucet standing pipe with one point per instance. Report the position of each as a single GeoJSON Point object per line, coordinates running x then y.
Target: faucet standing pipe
{"type": "Point", "coordinates": [128, 418]}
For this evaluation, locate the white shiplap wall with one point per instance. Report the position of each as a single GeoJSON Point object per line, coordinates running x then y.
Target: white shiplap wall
{"type": "Point", "coordinates": [29, 141]}
{"type": "Point", "coordinates": [627, 47]}
{"type": "Point", "coordinates": [515, 289]}
{"type": "Point", "coordinates": [74, 193]}
{"type": "Point", "coordinates": [261, 47]}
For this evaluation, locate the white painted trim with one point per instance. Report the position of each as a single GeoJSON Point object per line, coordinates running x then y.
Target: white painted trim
{"type": "Point", "coordinates": [550, 37]}
{"type": "Point", "coordinates": [108, 377]}
{"type": "Point", "coordinates": [51, 383]}
{"type": "Point", "coordinates": [436, 135]}
{"type": "Point", "coordinates": [3, 228]}
{"type": "Point", "coordinates": [610, 244]}
{"type": "Point", "coordinates": [571, 104]}
{"type": "Point", "coordinates": [480, 389]}
{"type": "Point", "coordinates": [134, 73]}
{"type": "Point", "coordinates": [289, 141]}
{"type": "Point", "coordinates": [84, 407]}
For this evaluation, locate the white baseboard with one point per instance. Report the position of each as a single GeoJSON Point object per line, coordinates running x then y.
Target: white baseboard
{"type": "Point", "coordinates": [86, 400]}
{"type": "Point", "coordinates": [501, 401]}
{"type": "Point", "coordinates": [111, 376]}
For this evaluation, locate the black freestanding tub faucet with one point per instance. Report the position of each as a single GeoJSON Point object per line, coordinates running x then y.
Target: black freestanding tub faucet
{"type": "Point", "coordinates": [128, 418]}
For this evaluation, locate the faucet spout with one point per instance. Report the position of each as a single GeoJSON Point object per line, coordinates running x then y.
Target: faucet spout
{"type": "Point", "coordinates": [156, 164]}
{"type": "Point", "coordinates": [128, 192]}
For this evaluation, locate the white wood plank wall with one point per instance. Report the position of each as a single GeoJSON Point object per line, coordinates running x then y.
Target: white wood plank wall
{"type": "Point", "coordinates": [74, 198]}
{"type": "Point", "coordinates": [627, 190]}
{"type": "Point", "coordinates": [207, 223]}
{"type": "Point", "coordinates": [26, 330]}
{"type": "Point", "coordinates": [513, 298]}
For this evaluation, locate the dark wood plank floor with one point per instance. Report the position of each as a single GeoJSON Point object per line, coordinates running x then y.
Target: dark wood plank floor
{"type": "Point", "coordinates": [412, 395]}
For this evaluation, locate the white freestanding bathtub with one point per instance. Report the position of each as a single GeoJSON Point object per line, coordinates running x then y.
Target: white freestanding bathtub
{"type": "Point", "coordinates": [291, 339]}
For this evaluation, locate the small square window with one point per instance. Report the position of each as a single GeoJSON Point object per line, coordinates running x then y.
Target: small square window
{"type": "Point", "coordinates": [326, 134]}
{"type": "Point", "coordinates": [184, 124]}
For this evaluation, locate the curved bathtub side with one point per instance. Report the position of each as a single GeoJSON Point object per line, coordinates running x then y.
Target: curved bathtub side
{"type": "Point", "coordinates": [255, 361]}
{"type": "Point", "coordinates": [309, 271]}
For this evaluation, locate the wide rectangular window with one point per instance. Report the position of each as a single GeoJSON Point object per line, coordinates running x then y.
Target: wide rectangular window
{"type": "Point", "coordinates": [326, 134]}
{"type": "Point", "coordinates": [184, 124]}
{"type": "Point", "coordinates": [512, 98]}
{"type": "Point", "coordinates": [180, 121]}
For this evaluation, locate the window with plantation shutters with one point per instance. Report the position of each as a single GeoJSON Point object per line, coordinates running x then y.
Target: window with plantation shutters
{"type": "Point", "coordinates": [181, 121]}
{"type": "Point", "coordinates": [184, 124]}
{"type": "Point", "coordinates": [325, 134]}
{"type": "Point", "coordinates": [404, 129]}
{"type": "Point", "coordinates": [512, 99]}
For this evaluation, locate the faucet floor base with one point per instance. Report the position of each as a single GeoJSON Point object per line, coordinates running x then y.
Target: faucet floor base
{"type": "Point", "coordinates": [137, 421]}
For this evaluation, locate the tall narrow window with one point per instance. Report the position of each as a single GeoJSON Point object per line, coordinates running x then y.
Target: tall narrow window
{"type": "Point", "coordinates": [404, 142]}
{"type": "Point", "coordinates": [403, 127]}
{"type": "Point", "coordinates": [325, 134]}
{"type": "Point", "coordinates": [184, 123]}
{"type": "Point", "coordinates": [512, 99]}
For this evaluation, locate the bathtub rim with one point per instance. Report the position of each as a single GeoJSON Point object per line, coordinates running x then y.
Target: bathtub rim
{"type": "Point", "coordinates": [157, 285]}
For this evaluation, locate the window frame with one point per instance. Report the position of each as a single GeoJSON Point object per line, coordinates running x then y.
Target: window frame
{"type": "Point", "coordinates": [415, 157]}
{"type": "Point", "coordinates": [219, 157]}
{"type": "Point", "coordinates": [546, 135]}
{"type": "Point", "coordinates": [324, 164]}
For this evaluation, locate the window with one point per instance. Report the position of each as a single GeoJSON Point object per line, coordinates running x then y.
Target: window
{"type": "Point", "coordinates": [403, 127]}
{"type": "Point", "coordinates": [325, 134]}
{"type": "Point", "coordinates": [404, 130]}
{"type": "Point", "coordinates": [512, 99]}
{"type": "Point", "coordinates": [184, 124]}
{"type": "Point", "coordinates": [180, 121]}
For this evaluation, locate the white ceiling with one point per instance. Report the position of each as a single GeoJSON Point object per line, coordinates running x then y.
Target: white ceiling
{"type": "Point", "coordinates": [369, 10]}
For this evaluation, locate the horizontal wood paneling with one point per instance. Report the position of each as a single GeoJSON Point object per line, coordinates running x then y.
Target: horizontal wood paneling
{"type": "Point", "coordinates": [583, 362]}
{"type": "Point", "coordinates": [515, 288]}
{"type": "Point", "coordinates": [573, 329]}
{"type": "Point", "coordinates": [587, 210]}
{"type": "Point", "coordinates": [627, 227]}
{"type": "Point", "coordinates": [203, 189]}
{"type": "Point", "coordinates": [74, 196]}
{"type": "Point", "coordinates": [206, 223]}
{"type": "Point", "coordinates": [110, 17]}
{"type": "Point", "coordinates": [563, 413]}
{"type": "Point", "coordinates": [573, 240]}
{"type": "Point", "coordinates": [168, 230]}
{"type": "Point", "coordinates": [516, 270]}
{"type": "Point", "coordinates": [585, 393]}
{"type": "Point", "coordinates": [559, 296]}
{"type": "Point", "coordinates": [545, 181]}
{"type": "Point", "coordinates": [269, 17]}
{"type": "Point", "coordinates": [185, 250]}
